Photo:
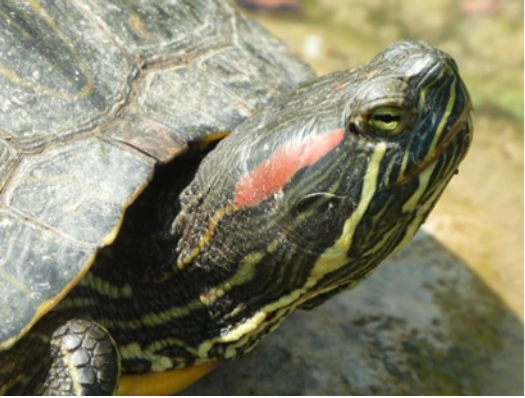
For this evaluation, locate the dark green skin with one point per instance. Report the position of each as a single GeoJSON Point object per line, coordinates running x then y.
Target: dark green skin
{"type": "Point", "coordinates": [290, 228]}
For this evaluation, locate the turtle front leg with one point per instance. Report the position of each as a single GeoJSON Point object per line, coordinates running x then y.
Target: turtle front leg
{"type": "Point", "coordinates": [84, 360]}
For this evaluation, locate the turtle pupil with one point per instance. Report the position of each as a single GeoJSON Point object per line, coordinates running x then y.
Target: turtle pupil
{"type": "Point", "coordinates": [387, 118]}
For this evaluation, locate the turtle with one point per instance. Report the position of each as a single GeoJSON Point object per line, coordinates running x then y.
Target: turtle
{"type": "Point", "coordinates": [174, 182]}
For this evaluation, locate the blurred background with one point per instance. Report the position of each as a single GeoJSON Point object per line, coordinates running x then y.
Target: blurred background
{"type": "Point", "coordinates": [445, 316]}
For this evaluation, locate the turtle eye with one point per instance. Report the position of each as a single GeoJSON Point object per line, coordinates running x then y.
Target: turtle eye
{"type": "Point", "coordinates": [387, 120]}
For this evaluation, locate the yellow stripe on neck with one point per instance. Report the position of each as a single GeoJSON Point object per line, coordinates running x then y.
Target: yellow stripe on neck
{"type": "Point", "coordinates": [336, 256]}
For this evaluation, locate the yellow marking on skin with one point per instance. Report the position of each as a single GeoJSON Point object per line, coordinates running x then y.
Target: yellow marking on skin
{"type": "Point", "coordinates": [245, 273]}
{"type": "Point", "coordinates": [454, 130]}
{"type": "Point", "coordinates": [203, 241]}
{"type": "Point", "coordinates": [171, 314]}
{"type": "Point", "coordinates": [15, 78]}
{"type": "Point", "coordinates": [242, 341]}
{"type": "Point", "coordinates": [205, 347]}
{"type": "Point", "coordinates": [105, 288]}
{"type": "Point", "coordinates": [236, 311]}
{"type": "Point", "coordinates": [424, 179]}
{"type": "Point", "coordinates": [241, 334]}
{"type": "Point", "coordinates": [386, 237]}
{"type": "Point", "coordinates": [169, 342]}
{"type": "Point", "coordinates": [244, 328]}
{"type": "Point", "coordinates": [161, 384]}
{"type": "Point", "coordinates": [138, 25]}
{"type": "Point", "coordinates": [422, 100]}
{"type": "Point", "coordinates": [188, 259]}
{"type": "Point", "coordinates": [273, 246]}
{"type": "Point", "coordinates": [123, 325]}
{"type": "Point", "coordinates": [281, 307]}
{"type": "Point", "coordinates": [439, 131]}
{"type": "Point", "coordinates": [131, 350]}
{"type": "Point", "coordinates": [410, 205]}
{"type": "Point", "coordinates": [231, 349]}
{"type": "Point", "coordinates": [211, 296]}
{"type": "Point", "coordinates": [77, 302]}
{"type": "Point", "coordinates": [48, 305]}
{"type": "Point", "coordinates": [404, 164]}
{"type": "Point", "coordinates": [206, 237]}
{"type": "Point", "coordinates": [423, 208]}
{"type": "Point", "coordinates": [421, 211]}
{"type": "Point", "coordinates": [230, 352]}
{"type": "Point", "coordinates": [297, 297]}
{"type": "Point", "coordinates": [153, 319]}
{"type": "Point", "coordinates": [448, 110]}
{"type": "Point", "coordinates": [336, 256]}
{"type": "Point", "coordinates": [159, 363]}
{"type": "Point", "coordinates": [425, 89]}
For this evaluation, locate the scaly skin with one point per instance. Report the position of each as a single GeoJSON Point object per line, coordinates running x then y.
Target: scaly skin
{"type": "Point", "coordinates": [85, 361]}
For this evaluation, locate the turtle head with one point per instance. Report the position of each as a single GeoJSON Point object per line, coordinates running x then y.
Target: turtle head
{"type": "Point", "coordinates": [309, 195]}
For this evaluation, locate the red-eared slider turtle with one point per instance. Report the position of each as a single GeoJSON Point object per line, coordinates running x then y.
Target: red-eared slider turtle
{"type": "Point", "coordinates": [109, 108]}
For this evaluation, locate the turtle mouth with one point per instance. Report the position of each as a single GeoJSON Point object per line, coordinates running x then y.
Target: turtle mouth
{"type": "Point", "coordinates": [453, 148]}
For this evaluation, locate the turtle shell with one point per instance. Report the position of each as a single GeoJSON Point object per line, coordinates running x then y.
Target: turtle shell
{"type": "Point", "coordinates": [94, 95]}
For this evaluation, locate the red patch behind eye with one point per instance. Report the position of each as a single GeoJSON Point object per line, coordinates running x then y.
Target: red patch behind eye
{"type": "Point", "coordinates": [272, 174]}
